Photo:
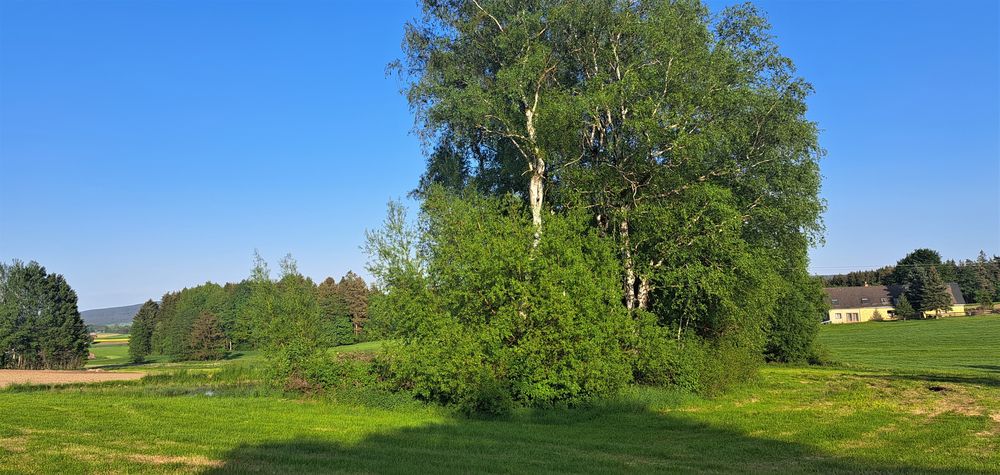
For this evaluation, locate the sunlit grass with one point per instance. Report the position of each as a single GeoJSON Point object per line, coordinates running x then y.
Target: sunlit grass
{"type": "Point", "coordinates": [216, 417]}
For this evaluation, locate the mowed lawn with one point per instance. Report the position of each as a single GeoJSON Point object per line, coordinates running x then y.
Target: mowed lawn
{"type": "Point", "coordinates": [790, 420]}
{"type": "Point", "coordinates": [958, 345]}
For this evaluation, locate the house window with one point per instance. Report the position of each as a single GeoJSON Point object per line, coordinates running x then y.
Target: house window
{"type": "Point", "coordinates": [864, 300]}
{"type": "Point", "coordinates": [835, 301]}
{"type": "Point", "coordinates": [837, 316]}
{"type": "Point", "coordinates": [885, 301]}
{"type": "Point", "coordinates": [853, 317]}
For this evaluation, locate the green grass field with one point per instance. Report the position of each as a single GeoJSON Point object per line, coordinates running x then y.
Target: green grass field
{"type": "Point", "coordinates": [966, 346]}
{"type": "Point", "coordinates": [871, 417]}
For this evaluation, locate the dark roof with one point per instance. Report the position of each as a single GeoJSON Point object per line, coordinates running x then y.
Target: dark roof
{"type": "Point", "coordinates": [850, 297]}
{"type": "Point", "coordinates": [956, 293]}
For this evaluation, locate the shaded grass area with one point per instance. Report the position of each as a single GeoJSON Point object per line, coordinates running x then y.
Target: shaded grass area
{"type": "Point", "coordinates": [792, 419]}
{"type": "Point", "coordinates": [963, 347]}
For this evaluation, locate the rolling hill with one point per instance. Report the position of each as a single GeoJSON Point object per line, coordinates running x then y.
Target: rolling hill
{"type": "Point", "coordinates": [110, 315]}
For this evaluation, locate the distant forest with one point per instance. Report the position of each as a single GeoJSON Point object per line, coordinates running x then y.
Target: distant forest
{"type": "Point", "coordinates": [210, 320]}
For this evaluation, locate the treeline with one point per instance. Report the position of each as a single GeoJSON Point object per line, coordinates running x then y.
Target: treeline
{"type": "Point", "coordinates": [616, 193]}
{"type": "Point", "coordinates": [40, 324]}
{"type": "Point", "coordinates": [211, 320]}
{"type": "Point", "coordinates": [978, 279]}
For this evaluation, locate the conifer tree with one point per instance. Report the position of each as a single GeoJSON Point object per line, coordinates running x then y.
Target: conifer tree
{"type": "Point", "coordinates": [934, 296]}
{"type": "Point", "coordinates": [208, 342]}
{"type": "Point", "coordinates": [140, 342]}
{"type": "Point", "coordinates": [904, 311]}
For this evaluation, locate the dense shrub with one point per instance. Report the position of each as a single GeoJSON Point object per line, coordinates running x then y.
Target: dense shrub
{"type": "Point", "coordinates": [478, 312]}
{"type": "Point", "coordinates": [795, 321]}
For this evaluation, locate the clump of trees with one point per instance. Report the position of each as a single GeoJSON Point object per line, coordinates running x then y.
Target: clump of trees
{"type": "Point", "coordinates": [209, 321]}
{"type": "Point", "coordinates": [671, 142]}
{"type": "Point", "coordinates": [40, 324]}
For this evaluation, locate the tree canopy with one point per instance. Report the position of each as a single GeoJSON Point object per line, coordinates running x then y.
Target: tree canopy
{"type": "Point", "coordinates": [40, 324]}
{"type": "Point", "coordinates": [681, 135]}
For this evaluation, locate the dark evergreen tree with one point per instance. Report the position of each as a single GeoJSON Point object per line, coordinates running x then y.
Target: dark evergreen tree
{"type": "Point", "coordinates": [904, 310]}
{"type": "Point", "coordinates": [915, 289]}
{"type": "Point", "coordinates": [140, 341]}
{"type": "Point", "coordinates": [934, 296]}
{"type": "Point", "coordinates": [207, 340]}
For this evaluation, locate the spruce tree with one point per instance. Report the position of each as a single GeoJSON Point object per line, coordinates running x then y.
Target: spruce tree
{"type": "Point", "coordinates": [984, 297]}
{"type": "Point", "coordinates": [904, 311]}
{"type": "Point", "coordinates": [208, 342]}
{"type": "Point", "coordinates": [934, 296]}
{"type": "Point", "coordinates": [140, 343]}
{"type": "Point", "coordinates": [915, 288]}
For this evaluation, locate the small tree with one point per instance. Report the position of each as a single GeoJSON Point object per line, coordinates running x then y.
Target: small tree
{"type": "Point", "coordinates": [915, 288]}
{"type": "Point", "coordinates": [355, 291]}
{"type": "Point", "coordinates": [934, 295]}
{"type": "Point", "coordinates": [877, 316]}
{"type": "Point", "coordinates": [336, 314]}
{"type": "Point", "coordinates": [984, 297]}
{"type": "Point", "coordinates": [208, 342]}
{"type": "Point", "coordinates": [140, 342]}
{"type": "Point", "coordinates": [904, 310]}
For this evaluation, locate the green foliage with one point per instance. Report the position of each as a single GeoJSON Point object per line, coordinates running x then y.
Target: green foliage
{"type": "Point", "coordinates": [40, 324]}
{"type": "Point", "coordinates": [934, 296]}
{"type": "Point", "coordinates": [289, 325]}
{"type": "Point", "coordinates": [793, 325]}
{"type": "Point", "coordinates": [177, 316]}
{"type": "Point", "coordinates": [904, 310]}
{"type": "Point", "coordinates": [208, 342]}
{"type": "Point", "coordinates": [911, 268]}
{"type": "Point", "coordinates": [354, 293]}
{"type": "Point", "coordinates": [481, 310]}
{"type": "Point", "coordinates": [336, 312]}
{"type": "Point", "coordinates": [682, 135]}
{"type": "Point", "coordinates": [140, 343]}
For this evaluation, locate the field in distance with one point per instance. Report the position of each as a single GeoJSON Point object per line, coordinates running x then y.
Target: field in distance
{"type": "Point", "coordinates": [963, 346]}
{"type": "Point", "coordinates": [877, 415]}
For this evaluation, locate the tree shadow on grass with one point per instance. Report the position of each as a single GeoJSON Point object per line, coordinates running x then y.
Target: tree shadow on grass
{"type": "Point", "coordinates": [607, 440]}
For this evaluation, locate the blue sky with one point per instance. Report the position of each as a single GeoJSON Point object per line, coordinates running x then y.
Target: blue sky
{"type": "Point", "coordinates": [147, 146]}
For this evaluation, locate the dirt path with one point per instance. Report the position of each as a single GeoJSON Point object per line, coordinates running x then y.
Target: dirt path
{"type": "Point", "coordinates": [19, 376]}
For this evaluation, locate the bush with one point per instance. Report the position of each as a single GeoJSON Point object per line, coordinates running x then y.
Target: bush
{"type": "Point", "coordinates": [487, 397]}
{"type": "Point", "coordinates": [795, 322]}
{"type": "Point", "coordinates": [482, 314]}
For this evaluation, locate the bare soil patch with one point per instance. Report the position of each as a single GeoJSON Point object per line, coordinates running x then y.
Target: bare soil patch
{"type": "Point", "coordinates": [19, 376]}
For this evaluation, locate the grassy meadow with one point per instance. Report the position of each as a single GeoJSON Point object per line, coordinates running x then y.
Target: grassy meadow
{"type": "Point", "coordinates": [960, 346]}
{"type": "Point", "coordinates": [929, 408]}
